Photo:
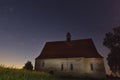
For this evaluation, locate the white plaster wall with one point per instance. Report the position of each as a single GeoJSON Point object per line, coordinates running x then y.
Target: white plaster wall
{"type": "Point", "coordinates": [81, 67]}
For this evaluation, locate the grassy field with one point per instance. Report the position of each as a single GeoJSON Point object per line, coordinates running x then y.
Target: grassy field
{"type": "Point", "coordinates": [20, 74]}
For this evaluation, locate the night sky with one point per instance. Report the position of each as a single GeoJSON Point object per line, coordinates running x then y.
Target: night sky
{"type": "Point", "coordinates": [26, 25]}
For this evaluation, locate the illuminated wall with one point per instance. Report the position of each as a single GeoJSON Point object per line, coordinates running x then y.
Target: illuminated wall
{"type": "Point", "coordinates": [76, 67]}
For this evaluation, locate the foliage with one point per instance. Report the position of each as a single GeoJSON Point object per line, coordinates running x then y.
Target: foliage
{"type": "Point", "coordinates": [28, 66]}
{"type": "Point", "coordinates": [20, 74]}
{"type": "Point", "coordinates": [112, 41]}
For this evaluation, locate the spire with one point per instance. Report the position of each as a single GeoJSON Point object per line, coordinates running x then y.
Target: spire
{"type": "Point", "coordinates": [68, 37]}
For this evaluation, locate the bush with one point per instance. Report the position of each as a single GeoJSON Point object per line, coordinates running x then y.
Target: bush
{"type": "Point", "coordinates": [28, 66]}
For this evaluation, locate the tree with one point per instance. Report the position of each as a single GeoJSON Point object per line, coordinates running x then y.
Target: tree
{"type": "Point", "coordinates": [112, 42]}
{"type": "Point", "coordinates": [28, 66]}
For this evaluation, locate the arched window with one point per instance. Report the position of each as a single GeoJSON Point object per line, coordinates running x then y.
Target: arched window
{"type": "Point", "coordinates": [61, 67]}
{"type": "Point", "coordinates": [71, 67]}
{"type": "Point", "coordinates": [91, 66]}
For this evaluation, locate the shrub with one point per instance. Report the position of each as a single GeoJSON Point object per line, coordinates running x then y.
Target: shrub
{"type": "Point", "coordinates": [28, 66]}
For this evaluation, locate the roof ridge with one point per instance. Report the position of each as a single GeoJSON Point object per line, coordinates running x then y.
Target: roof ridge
{"type": "Point", "coordinates": [71, 40]}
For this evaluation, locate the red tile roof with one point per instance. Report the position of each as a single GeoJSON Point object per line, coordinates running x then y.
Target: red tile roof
{"type": "Point", "coordinates": [72, 49]}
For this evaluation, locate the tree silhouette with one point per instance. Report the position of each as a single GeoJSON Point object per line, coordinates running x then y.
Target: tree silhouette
{"type": "Point", "coordinates": [112, 41]}
{"type": "Point", "coordinates": [28, 66]}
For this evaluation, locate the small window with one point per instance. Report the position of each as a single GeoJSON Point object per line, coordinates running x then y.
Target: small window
{"type": "Point", "coordinates": [71, 67]}
{"type": "Point", "coordinates": [61, 67]}
{"type": "Point", "coordinates": [91, 66]}
{"type": "Point", "coordinates": [43, 64]}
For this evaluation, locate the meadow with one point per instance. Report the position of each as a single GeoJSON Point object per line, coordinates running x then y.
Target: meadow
{"type": "Point", "coordinates": [20, 74]}
{"type": "Point", "coordinates": [7, 73]}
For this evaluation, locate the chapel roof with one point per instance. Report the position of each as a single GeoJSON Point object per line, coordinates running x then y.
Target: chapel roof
{"type": "Point", "coordinates": [69, 49]}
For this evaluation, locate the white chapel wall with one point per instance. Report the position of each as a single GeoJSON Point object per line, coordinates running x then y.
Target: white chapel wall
{"type": "Point", "coordinates": [91, 67]}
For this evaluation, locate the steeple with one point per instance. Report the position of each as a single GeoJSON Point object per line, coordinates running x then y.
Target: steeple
{"type": "Point", "coordinates": [68, 37]}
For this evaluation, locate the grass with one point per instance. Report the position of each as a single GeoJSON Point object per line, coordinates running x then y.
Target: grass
{"type": "Point", "coordinates": [19, 74]}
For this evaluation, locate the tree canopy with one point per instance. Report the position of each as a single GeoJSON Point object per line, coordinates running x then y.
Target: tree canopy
{"type": "Point", "coordinates": [112, 42]}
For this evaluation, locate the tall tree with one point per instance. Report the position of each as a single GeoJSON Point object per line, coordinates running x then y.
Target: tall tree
{"type": "Point", "coordinates": [112, 41]}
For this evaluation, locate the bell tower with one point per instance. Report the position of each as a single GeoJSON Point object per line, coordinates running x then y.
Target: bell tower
{"type": "Point", "coordinates": [68, 37]}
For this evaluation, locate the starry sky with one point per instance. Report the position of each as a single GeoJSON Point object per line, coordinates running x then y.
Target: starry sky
{"type": "Point", "coordinates": [26, 25]}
